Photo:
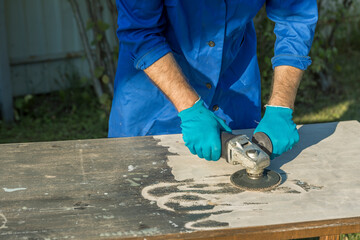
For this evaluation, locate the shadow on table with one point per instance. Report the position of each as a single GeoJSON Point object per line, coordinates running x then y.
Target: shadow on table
{"type": "Point", "coordinates": [310, 135]}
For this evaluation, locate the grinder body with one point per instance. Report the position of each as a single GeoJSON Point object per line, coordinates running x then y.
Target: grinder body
{"type": "Point", "coordinates": [254, 156]}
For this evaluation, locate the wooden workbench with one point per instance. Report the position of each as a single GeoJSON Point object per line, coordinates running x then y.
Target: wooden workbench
{"type": "Point", "coordinates": [153, 188]}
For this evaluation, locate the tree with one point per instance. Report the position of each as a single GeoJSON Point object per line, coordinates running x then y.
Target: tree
{"type": "Point", "coordinates": [99, 54]}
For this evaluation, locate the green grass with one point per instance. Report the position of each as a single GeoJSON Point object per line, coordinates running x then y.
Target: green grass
{"type": "Point", "coordinates": [341, 102]}
{"type": "Point", "coordinates": [64, 115]}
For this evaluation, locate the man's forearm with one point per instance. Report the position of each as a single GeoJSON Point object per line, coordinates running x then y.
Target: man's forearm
{"type": "Point", "coordinates": [168, 77]}
{"type": "Point", "coordinates": [285, 84]}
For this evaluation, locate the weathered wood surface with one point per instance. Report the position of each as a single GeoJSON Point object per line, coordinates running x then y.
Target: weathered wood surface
{"type": "Point", "coordinates": [152, 187]}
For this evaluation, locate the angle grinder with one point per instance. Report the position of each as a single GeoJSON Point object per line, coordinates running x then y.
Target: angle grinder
{"type": "Point", "coordinates": [254, 156]}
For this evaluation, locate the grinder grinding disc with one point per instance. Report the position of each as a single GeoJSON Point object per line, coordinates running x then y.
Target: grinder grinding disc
{"type": "Point", "coordinates": [267, 181]}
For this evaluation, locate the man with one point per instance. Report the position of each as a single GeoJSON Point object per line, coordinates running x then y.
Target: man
{"type": "Point", "coordinates": [190, 66]}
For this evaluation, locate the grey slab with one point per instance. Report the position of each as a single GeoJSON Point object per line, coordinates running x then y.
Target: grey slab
{"type": "Point", "coordinates": [150, 186]}
{"type": "Point", "coordinates": [320, 181]}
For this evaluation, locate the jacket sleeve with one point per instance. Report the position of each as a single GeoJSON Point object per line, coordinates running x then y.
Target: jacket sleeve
{"type": "Point", "coordinates": [140, 30]}
{"type": "Point", "coordinates": [295, 23]}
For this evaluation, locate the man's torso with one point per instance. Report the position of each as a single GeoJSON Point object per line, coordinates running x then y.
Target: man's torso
{"type": "Point", "coordinates": [214, 43]}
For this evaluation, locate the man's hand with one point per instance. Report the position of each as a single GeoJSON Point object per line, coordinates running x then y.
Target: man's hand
{"type": "Point", "coordinates": [201, 131]}
{"type": "Point", "coordinates": [277, 122]}
{"type": "Point", "coordinates": [200, 127]}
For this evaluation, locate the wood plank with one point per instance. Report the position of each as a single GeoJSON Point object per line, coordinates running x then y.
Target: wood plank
{"type": "Point", "coordinates": [281, 231]}
{"type": "Point", "coordinates": [332, 237]}
{"type": "Point", "coordinates": [153, 188]}
{"type": "Point", "coordinates": [6, 102]}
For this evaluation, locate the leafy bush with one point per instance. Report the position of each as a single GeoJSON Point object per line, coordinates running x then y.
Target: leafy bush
{"type": "Point", "coordinates": [73, 113]}
{"type": "Point", "coordinates": [102, 64]}
{"type": "Point", "coordinates": [337, 28]}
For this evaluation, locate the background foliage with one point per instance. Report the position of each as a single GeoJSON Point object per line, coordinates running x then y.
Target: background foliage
{"type": "Point", "coordinates": [330, 88]}
{"type": "Point", "coordinates": [329, 91]}
{"type": "Point", "coordinates": [101, 61]}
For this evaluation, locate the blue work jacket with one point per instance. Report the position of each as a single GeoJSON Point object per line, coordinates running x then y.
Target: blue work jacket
{"type": "Point", "coordinates": [214, 43]}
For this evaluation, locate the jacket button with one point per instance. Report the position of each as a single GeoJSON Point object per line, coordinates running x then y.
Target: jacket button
{"type": "Point", "coordinates": [215, 108]}
{"type": "Point", "coordinates": [208, 85]}
{"type": "Point", "coordinates": [211, 44]}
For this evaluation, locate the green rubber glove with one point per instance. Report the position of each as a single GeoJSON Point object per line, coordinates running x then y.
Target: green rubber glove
{"type": "Point", "coordinates": [201, 131]}
{"type": "Point", "coordinates": [277, 123]}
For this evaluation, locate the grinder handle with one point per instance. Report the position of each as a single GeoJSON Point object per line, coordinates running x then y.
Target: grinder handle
{"type": "Point", "coordinates": [263, 141]}
{"type": "Point", "coordinates": [225, 137]}
{"type": "Point", "coordinates": [259, 138]}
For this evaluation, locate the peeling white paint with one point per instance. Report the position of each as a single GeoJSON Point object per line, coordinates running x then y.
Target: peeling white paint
{"type": "Point", "coordinates": [3, 221]}
{"type": "Point", "coordinates": [81, 159]}
{"type": "Point", "coordinates": [173, 224]}
{"type": "Point", "coordinates": [13, 189]}
{"type": "Point", "coordinates": [146, 232]}
{"type": "Point", "coordinates": [132, 183]}
{"type": "Point", "coordinates": [318, 160]}
{"type": "Point", "coordinates": [60, 209]}
{"type": "Point", "coordinates": [131, 168]}
{"type": "Point", "coordinates": [49, 176]}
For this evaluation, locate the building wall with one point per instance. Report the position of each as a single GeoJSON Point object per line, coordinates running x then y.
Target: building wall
{"type": "Point", "coordinates": [44, 45]}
